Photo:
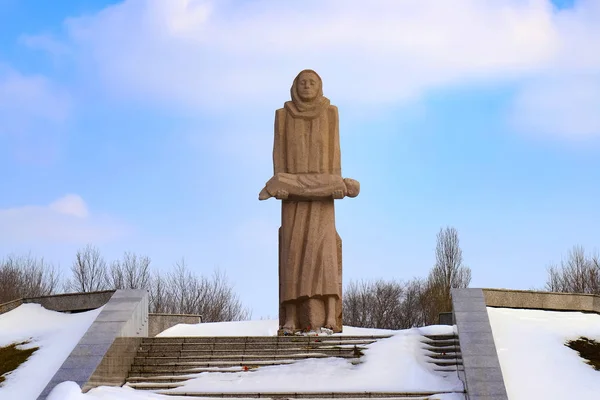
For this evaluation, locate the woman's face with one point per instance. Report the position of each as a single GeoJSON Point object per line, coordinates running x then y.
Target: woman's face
{"type": "Point", "coordinates": [308, 86]}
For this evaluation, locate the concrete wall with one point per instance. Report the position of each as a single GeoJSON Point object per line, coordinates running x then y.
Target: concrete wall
{"type": "Point", "coordinates": [482, 374]}
{"type": "Point", "coordinates": [446, 318]}
{"type": "Point", "coordinates": [68, 302]}
{"type": "Point", "coordinates": [159, 322]}
{"type": "Point", "coordinates": [73, 302]}
{"type": "Point", "coordinates": [542, 300]}
{"type": "Point", "coordinates": [11, 305]}
{"type": "Point", "coordinates": [105, 353]}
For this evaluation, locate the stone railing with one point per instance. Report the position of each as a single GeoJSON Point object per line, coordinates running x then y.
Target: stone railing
{"type": "Point", "coordinates": [105, 353]}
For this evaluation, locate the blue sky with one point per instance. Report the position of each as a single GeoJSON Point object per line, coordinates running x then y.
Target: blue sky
{"type": "Point", "coordinates": [147, 126]}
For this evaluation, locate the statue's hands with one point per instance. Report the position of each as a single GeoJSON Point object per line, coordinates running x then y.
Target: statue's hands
{"type": "Point", "coordinates": [338, 194]}
{"type": "Point", "coordinates": [281, 194]}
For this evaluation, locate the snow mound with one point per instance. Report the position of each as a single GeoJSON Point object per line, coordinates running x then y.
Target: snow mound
{"type": "Point", "coordinates": [393, 364]}
{"type": "Point", "coordinates": [252, 328]}
{"type": "Point", "coordinates": [535, 362]}
{"type": "Point", "coordinates": [56, 334]}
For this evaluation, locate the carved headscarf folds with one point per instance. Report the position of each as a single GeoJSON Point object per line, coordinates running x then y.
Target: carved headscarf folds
{"type": "Point", "coordinates": [307, 109]}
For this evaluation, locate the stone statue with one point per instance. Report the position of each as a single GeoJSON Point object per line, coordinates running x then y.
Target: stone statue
{"type": "Point", "coordinates": [307, 178]}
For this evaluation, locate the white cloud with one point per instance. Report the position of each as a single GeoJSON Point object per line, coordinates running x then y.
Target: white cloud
{"type": "Point", "coordinates": [33, 111]}
{"type": "Point", "coordinates": [214, 56]}
{"type": "Point", "coordinates": [70, 204]}
{"type": "Point", "coordinates": [46, 43]}
{"type": "Point", "coordinates": [563, 100]}
{"type": "Point", "coordinates": [209, 54]}
{"type": "Point", "coordinates": [64, 221]}
{"type": "Point", "coordinates": [33, 96]}
{"type": "Point", "coordinates": [565, 107]}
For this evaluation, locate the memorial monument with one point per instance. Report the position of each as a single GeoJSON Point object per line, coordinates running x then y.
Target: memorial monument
{"type": "Point", "coordinates": [307, 179]}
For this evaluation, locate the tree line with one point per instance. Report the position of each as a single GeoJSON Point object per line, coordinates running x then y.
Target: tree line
{"type": "Point", "coordinates": [397, 304]}
{"type": "Point", "coordinates": [177, 291]}
{"type": "Point", "coordinates": [389, 304]}
{"type": "Point", "coordinates": [578, 273]}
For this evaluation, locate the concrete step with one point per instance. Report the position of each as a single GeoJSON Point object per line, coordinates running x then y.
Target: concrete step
{"type": "Point", "coordinates": [250, 346]}
{"type": "Point", "coordinates": [449, 368]}
{"type": "Point", "coordinates": [258, 352]}
{"type": "Point", "coordinates": [441, 349]}
{"type": "Point", "coordinates": [445, 356]}
{"type": "Point", "coordinates": [303, 395]}
{"type": "Point", "coordinates": [442, 337]}
{"type": "Point", "coordinates": [231, 358]}
{"type": "Point", "coordinates": [260, 339]}
{"type": "Point", "coordinates": [159, 379]}
{"type": "Point", "coordinates": [441, 343]}
{"type": "Point", "coordinates": [445, 362]}
{"type": "Point", "coordinates": [242, 346]}
{"type": "Point", "coordinates": [161, 371]}
{"type": "Point", "coordinates": [190, 367]}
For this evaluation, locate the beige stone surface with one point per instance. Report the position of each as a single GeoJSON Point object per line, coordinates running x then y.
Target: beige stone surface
{"type": "Point", "coordinates": [308, 178]}
{"type": "Point", "coordinates": [302, 187]}
{"type": "Point", "coordinates": [542, 300]}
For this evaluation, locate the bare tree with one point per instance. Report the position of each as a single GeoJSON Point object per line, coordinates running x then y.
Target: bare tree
{"type": "Point", "coordinates": [412, 310]}
{"type": "Point", "coordinates": [578, 274]}
{"type": "Point", "coordinates": [132, 272]}
{"type": "Point", "coordinates": [26, 276]}
{"type": "Point", "coordinates": [181, 291]}
{"type": "Point", "coordinates": [357, 304]}
{"type": "Point", "coordinates": [89, 271]}
{"type": "Point", "coordinates": [159, 294]}
{"type": "Point", "coordinates": [448, 273]}
{"type": "Point", "coordinates": [383, 304]}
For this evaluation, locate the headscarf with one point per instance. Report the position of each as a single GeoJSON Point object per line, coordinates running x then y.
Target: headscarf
{"type": "Point", "coordinates": [306, 109]}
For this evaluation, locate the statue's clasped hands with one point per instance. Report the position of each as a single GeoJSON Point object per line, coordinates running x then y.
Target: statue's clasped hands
{"type": "Point", "coordinates": [281, 194]}
{"type": "Point", "coordinates": [338, 194]}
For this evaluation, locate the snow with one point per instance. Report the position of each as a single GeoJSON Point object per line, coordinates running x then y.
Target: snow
{"type": "Point", "coordinates": [70, 391]}
{"type": "Point", "coordinates": [252, 328]}
{"type": "Point", "coordinates": [534, 360]}
{"type": "Point", "coordinates": [395, 364]}
{"type": "Point", "coordinates": [55, 333]}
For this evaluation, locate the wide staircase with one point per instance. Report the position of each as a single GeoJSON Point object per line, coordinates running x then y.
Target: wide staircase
{"type": "Point", "coordinates": [443, 351]}
{"type": "Point", "coordinates": [167, 363]}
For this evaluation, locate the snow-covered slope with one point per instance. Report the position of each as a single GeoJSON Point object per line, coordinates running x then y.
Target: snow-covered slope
{"type": "Point", "coordinates": [396, 364]}
{"type": "Point", "coordinates": [55, 333]}
{"type": "Point", "coordinates": [534, 360]}
{"type": "Point", "coordinates": [251, 328]}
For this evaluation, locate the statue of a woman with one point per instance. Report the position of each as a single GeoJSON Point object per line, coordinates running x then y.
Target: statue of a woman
{"type": "Point", "coordinates": [307, 178]}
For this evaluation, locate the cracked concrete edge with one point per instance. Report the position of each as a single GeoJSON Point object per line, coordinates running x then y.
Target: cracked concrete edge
{"type": "Point", "coordinates": [125, 315]}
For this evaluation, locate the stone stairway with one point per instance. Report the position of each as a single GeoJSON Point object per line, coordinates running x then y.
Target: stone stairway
{"type": "Point", "coordinates": [166, 363]}
{"type": "Point", "coordinates": [443, 351]}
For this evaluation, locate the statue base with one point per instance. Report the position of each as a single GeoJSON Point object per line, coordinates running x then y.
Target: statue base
{"type": "Point", "coordinates": [299, 332]}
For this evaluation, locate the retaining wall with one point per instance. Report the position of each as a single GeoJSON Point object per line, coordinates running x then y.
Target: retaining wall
{"type": "Point", "coordinates": [482, 374]}
{"type": "Point", "coordinates": [105, 353]}
{"type": "Point", "coordinates": [158, 322]}
{"type": "Point", "coordinates": [542, 300]}
{"type": "Point", "coordinates": [67, 302]}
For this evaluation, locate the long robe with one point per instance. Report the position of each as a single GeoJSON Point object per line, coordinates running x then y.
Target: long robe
{"type": "Point", "coordinates": [308, 239]}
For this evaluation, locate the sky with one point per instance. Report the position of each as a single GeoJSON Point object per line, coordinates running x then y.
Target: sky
{"type": "Point", "coordinates": [147, 126]}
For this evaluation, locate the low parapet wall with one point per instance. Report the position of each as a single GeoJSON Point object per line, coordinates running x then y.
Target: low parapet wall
{"type": "Point", "coordinates": [158, 322]}
{"type": "Point", "coordinates": [11, 305]}
{"type": "Point", "coordinates": [105, 353]}
{"type": "Point", "coordinates": [482, 374]}
{"type": "Point", "coordinates": [66, 302]}
{"type": "Point", "coordinates": [550, 301]}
